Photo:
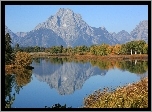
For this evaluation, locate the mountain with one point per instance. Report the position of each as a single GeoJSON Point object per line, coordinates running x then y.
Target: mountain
{"type": "Point", "coordinates": [141, 31]}
{"type": "Point", "coordinates": [67, 77]}
{"type": "Point", "coordinates": [14, 37]}
{"type": "Point", "coordinates": [103, 36]}
{"type": "Point", "coordinates": [74, 30]}
{"type": "Point", "coordinates": [122, 36]}
{"type": "Point", "coordinates": [21, 34]}
{"type": "Point", "coordinates": [42, 37]}
{"type": "Point", "coordinates": [69, 29]}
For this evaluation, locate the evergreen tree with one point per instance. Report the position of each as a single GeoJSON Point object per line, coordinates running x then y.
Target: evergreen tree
{"type": "Point", "coordinates": [8, 49]}
{"type": "Point", "coordinates": [17, 48]}
{"type": "Point", "coordinates": [61, 49]}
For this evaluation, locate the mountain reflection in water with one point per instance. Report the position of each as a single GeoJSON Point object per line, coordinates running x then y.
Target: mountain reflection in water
{"type": "Point", "coordinates": [67, 76]}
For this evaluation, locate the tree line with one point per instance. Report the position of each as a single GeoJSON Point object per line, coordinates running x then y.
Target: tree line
{"type": "Point", "coordinates": [129, 48]}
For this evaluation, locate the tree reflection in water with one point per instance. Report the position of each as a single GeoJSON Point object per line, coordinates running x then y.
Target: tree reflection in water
{"type": "Point", "coordinates": [133, 66]}
{"type": "Point", "coordinates": [15, 77]}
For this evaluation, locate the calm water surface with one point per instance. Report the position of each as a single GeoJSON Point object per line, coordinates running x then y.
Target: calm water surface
{"type": "Point", "coordinates": [68, 82]}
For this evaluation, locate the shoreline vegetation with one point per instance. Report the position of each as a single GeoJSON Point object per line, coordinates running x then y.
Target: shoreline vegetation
{"type": "Point", "coordinates": [131, 50]}
{"type": "Point", "coordinates": [133, 95]}
{"type": "Point", "coordinates": [90, 57]}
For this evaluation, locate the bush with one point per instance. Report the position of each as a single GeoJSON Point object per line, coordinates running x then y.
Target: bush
{"type": "Point", "coordinates": [22, 59]}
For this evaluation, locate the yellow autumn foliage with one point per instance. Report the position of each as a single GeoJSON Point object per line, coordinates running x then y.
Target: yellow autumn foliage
{"type": "Point", "coordinates": [22, 59]}
{"type": "Point", "coordinates": [117, 48]}
{"type": "Point", "coordinates": [131, 96]}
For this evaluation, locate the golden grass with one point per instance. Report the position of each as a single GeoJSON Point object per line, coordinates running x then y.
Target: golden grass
{"type": "Point", "coordinates": [88, 56]}
{"type": "Point", "coordinates": [44, 54]}
{"type": "Point", "coordinates": [131, 96]}
{"type": "Point", "coordinates": [113, 57]}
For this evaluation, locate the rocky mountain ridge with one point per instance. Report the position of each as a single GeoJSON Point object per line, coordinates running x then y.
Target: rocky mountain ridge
{"type": "Point", "coordinates": [69, 29]}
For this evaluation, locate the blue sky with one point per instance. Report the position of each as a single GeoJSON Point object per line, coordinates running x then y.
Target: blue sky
{"type": "Point", "coordinates": [24, 18]}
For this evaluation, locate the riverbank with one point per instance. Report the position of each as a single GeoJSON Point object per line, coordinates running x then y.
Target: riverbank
{"type": "Point", "coordinates": [91, 57]}
{"type": "Point", "coordinates": [131, 96]}
{"type": "Point", "coordinates": [45, 55]}
{"type": "Point", "coordinates": [113, 57]}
